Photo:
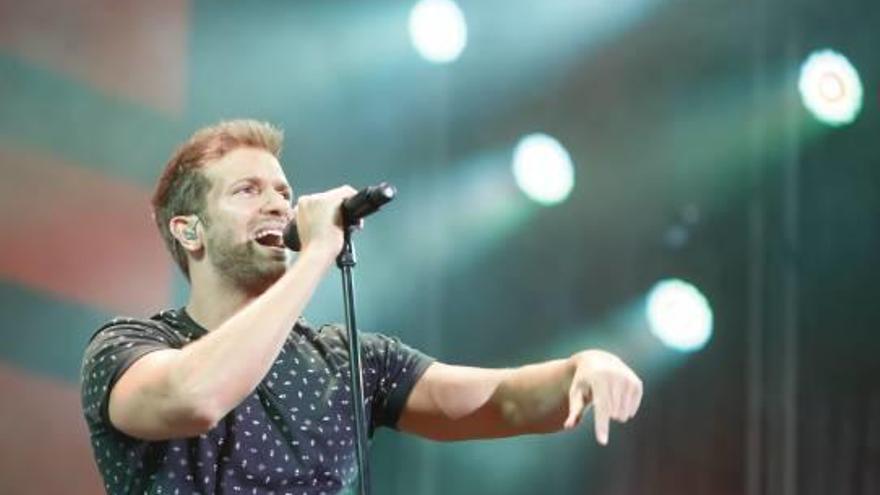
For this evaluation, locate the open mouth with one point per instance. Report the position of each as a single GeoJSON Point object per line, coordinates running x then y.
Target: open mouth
{"type": "Point", "coordinates": [269, 238]}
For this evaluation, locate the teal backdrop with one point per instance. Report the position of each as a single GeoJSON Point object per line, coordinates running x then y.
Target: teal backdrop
{"type": "Point", "coordinates": [693, 158]}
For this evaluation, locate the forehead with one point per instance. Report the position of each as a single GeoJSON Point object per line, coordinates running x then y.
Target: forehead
{"type": "Point", "coordinates": [244, 163]}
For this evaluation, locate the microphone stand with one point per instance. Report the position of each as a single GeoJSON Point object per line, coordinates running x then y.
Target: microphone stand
{"type": "Point", "coordinates": [365, 202]}
{"type": "Point", "coordinates": [346, 261]}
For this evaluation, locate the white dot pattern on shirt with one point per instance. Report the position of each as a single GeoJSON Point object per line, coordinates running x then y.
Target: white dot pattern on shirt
{"type": "Point", "coordinates": [293, 435]}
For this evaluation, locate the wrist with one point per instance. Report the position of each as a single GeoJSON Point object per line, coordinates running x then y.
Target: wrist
{"type": "Point", "coordinates": [322, 253]}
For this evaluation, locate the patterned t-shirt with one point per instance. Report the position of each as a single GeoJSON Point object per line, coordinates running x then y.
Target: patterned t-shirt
{"type": "Point", "coordinates": [293, 435]}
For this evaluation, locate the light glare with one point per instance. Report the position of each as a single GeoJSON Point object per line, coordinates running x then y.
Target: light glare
{"type": "Point", "coordinates": [830, 88]}
{"type": "Point", "coordinates": [438, 30]}
{"type": "Point", "coordinates": [542, 168]}
{"type": "Point", "coordinates": [679, 315]}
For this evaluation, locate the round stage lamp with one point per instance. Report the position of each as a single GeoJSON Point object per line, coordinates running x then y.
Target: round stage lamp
{"type": "Point", "coordinates": [679, 315]}
{"type": "Point", "coordinates": [830, 88]}
{"type": "Point", "coordinates": [438, 30]}
{"type": "Point", "coordinates": [542, 168]}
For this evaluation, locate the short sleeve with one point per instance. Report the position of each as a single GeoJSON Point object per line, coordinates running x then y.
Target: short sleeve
{"type": "Point", "coordinates": [392, 368]}
{"type": "Point", "coordinates": [112, 350]}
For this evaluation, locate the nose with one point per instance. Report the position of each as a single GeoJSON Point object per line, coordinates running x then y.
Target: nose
{"type": "Point", "coordinates": [277, 204]}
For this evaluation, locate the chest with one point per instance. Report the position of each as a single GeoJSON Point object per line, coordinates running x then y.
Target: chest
{"type": "Point", "coordinates": [297, 425]}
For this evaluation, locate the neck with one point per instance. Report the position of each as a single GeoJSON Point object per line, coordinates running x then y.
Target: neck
{"type": "Point", "coordinates": [213, 300]}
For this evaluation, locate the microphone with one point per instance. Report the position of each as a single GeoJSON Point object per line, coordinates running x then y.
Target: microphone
{"type": "Point", "coordinates": [366, 202]}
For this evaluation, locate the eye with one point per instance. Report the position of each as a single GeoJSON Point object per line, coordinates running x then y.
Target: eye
{"type": "Point", "coordinates": [247, 189]}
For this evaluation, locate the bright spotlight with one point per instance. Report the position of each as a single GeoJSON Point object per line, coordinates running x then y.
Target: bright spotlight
{"type": "Point", "coordinates": [438, 30]}
{"type": "Point", "coordinates": [542, 169]}
{"type": "Point", "coordinates": [830, 88]}
{"type": "Point", "coordinates": [679, 315]}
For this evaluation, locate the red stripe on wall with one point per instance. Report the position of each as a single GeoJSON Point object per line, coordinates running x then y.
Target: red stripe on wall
{"type": "Point", "coordinates": [134, 50]}
{"type": "Point", "coordinates": [76, 233]}
{"type": "Point", "coordinates": [45, 446]}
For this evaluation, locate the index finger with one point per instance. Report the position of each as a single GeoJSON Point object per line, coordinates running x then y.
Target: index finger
{"type": "Point", "coordinates": [601, 415]}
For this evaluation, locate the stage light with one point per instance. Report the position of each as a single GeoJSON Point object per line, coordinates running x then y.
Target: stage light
{"type": "Point", "coordinates": [679, 315]}
{"type": "Point", "coordinates": [830, 88]}
{"type": "Point", "coordinates": [438, 30]}
{"type": "Point", "coordinates": [542, 169]}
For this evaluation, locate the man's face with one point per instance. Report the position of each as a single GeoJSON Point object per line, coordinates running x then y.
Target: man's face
{"type": "Point", "coordinates": [247, 207]}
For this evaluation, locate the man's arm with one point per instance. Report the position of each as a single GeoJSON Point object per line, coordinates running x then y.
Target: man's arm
{"type": "Point", "coordinates": [178, 393]}
{"type": "Point", "coordinates": [458, 402]}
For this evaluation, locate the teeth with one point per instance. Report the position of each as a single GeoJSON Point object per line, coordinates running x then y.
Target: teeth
{"type": "Point", "coordinates": [270, 231]}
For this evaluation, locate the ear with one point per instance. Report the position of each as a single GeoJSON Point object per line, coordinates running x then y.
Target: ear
{"type": "Point", "coordinates": [185, 228]}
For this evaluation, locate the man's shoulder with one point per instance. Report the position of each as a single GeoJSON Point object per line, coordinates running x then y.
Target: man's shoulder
{"type": "Point", "coordinates": [335, 336]}
{"type": "Point", "coordinates": [332, 331]}
{"type": "Point", "coordinates": [166, 325]}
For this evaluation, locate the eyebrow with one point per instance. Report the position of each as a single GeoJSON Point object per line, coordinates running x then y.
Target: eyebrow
{"type": "Point", "coordinates": [257, 180]}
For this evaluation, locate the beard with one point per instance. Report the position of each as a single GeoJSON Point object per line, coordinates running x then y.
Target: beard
{"type": "Point", "coordinates": [245, 265]}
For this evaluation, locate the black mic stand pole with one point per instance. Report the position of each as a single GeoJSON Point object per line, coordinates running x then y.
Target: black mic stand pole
{"type": "Point", "coordinates": [346, 261]}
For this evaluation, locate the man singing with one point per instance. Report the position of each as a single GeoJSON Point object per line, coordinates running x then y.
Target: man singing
{"type": "Point", "coordinates": [235, 393]}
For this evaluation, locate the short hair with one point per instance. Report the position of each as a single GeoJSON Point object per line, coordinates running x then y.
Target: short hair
{"type": "Point", "coordinates": [182, 187]}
